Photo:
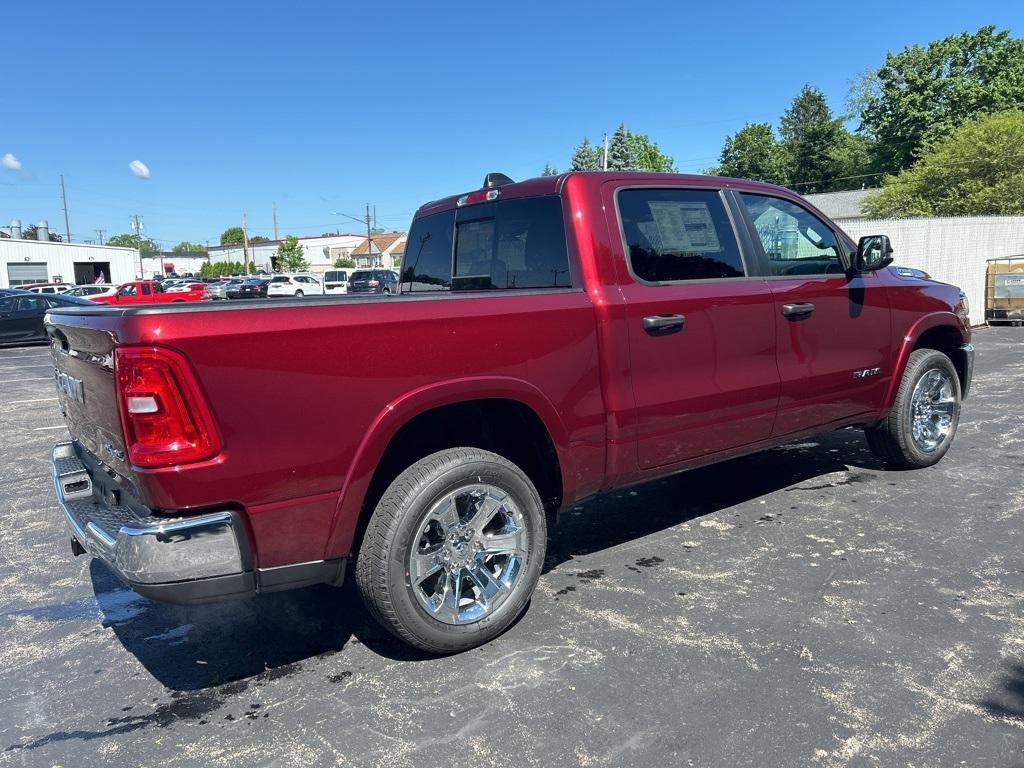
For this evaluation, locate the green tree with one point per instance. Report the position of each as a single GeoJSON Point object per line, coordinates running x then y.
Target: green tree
{"type": "Point", "coordinates": [259, 239]}
{"type": "Point", "coordinates": [232, 236]}
{"type": "Point", "coordinates": [548, 171]}
{"type": "Point", "coordinates": [185, 245]}
{"type": "Point", "coordinates": [621, 156]}
{"type": "Point", "coordinates": [754, 153]}
{"type": "Point", "coordinates": [921, 95]}
{"type": "Point", "coordinates": [133, 241]}
{"type": "Point", "coordinates": [290, 255]}
{"type": "Point", "coordinates": [585, 157]}
{"type": "Point", "coordinates": [809, 134]}
{"type": "Point", "coordinates": [649, 156]}
{"type": "Point", "coordinates": [977, 170]}
{"type": "Point", "coordinates": [344, 263]}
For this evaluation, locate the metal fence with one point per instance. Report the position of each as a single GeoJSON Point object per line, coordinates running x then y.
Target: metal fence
{"type": "Point", "coordinates": [953, 250]}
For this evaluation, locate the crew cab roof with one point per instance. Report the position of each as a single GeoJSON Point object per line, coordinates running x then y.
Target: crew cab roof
{"type": "Point", "coordinates": [550, 185]}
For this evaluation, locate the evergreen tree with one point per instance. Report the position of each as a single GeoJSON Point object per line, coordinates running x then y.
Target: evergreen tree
{"type": "Point", "coordinates": [548, 170]}
{"type": "Point", "coordinates": [820, 150]}
{"type": "Point", "coordinates": [621, 156]}
{"type": "Point", "coordinates": [585, 157]}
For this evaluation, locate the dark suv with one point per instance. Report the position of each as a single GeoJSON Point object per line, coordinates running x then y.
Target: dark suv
{"type": "Point", "coordinates": [373, 281]}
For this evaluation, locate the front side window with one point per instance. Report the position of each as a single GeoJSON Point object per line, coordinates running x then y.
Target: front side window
{"type": "Point", "coordinates": [678, 234]}
{"type": "Point", "coordinates": [128, 290]}
{"type": "Point", "coordinates": [795, 241]}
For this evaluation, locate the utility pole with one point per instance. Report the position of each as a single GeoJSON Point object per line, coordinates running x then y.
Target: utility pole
{"type": "Point", "coordinates": [369, 237]}
{"type": "Point", "coordinates": [275, 221]}
{"type": "Point", "coordinates": [137, 227]}
{"type": "Point", "coordinates": [64, 197]}
{"type": "Point", "coordinates": [605, 163]}
{"type": "Point", "coordinates": [99, 234]}
{"type": "Point", "coordinates": [245, 242]}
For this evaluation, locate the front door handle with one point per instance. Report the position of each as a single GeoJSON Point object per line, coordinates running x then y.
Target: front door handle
{"type": "Point", "coordinates": [797, 310]}
{"type": "Point", "coordinates": [661, 325]}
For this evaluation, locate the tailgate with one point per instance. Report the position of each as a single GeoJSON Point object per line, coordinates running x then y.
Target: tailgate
{"type": "Point", "coordinates": [84, 359]}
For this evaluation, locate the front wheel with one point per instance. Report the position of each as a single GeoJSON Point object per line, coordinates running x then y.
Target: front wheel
{"type": "Point", "coordinates": [922, 423]}
{"type": "Point", "coordinates": [453, 550]}
{"type": "Point", "coordinates": [299, 293]}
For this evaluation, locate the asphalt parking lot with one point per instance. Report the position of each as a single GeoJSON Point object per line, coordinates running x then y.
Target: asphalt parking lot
{"type": "Point", "coordinates": [802, 606]}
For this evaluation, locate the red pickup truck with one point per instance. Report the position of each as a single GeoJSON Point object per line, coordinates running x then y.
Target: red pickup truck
{"type": "Point", "coordinates": [150, 292]}
{"type": "Point", "coordinates": [552, 339]}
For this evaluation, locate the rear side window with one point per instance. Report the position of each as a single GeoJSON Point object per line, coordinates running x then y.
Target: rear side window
{"type": "Point", "coordinates": [678, 234]}
{"type": "Point", "coordinates": [522, 245]}
{"type": "Point", "coordinates": [428, 254]}
{"type": "Point", "coordinates": [280, 279]}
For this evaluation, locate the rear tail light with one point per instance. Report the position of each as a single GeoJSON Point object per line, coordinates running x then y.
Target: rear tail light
{"type": "Point", "coordinates": [163, 412]}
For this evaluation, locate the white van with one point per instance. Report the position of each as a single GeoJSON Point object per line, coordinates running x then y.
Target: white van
{"type": "Point", "coordinates": [336, 280]}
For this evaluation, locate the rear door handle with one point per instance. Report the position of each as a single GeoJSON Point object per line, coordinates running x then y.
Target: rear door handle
{"type": "Point", "coordinates": [661, 325]}
{"type": "Point", "coordinates": [797, 310]}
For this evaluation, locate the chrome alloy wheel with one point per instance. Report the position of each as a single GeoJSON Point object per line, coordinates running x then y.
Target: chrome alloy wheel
{"type": "Point", "coordinates": [932, 409]}
{"type": "Point", "coordinates": [468, 553]}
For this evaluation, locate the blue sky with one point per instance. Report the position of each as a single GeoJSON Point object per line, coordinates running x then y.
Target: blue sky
{"type": "Point", "coordinates": [325, 106]}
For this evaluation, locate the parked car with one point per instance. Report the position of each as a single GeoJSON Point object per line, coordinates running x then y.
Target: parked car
{"type": "Point", "coordinates": [93, 289]}
{"type": "Point", "coordinates": [48, 288]}
{"type": "Point", "coordinates": [252, 288]}
{"type": "Point", "coordinates": [554, 339]}
{"type": "Point", "coordinates": [294, 285]}
{"type": "Point", "coordinates": [184, 286]}
{"type": "Point", "coordinates": [12, 291]}
{"type": "Point", "coordinates": [21, 315]}
{"type": "Point", "coordinates": [373, 281]}
{"type": "Point", "coordinates": [336, 280]}
{"type": "Point", "coordinates": [149, 292]}
{"type": "Point", "coordinates": [219, 289]}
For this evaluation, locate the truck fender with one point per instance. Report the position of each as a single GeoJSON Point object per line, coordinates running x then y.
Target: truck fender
{"type": "Point", "coordinates": [909, 341]}
{"type": "Point", "coordinates": [400, 411]}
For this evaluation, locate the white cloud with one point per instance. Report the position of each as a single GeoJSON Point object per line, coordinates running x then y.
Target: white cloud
{"type": "Point", "coordinates": [10, 162]}
{"type": "Point", "coordinates": [139, 168]}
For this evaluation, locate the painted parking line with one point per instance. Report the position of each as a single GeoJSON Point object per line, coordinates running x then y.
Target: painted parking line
{"type": "Point", "coordinates": [28, 365]}
{"type": "Point", "coordinates": [11, 381]}
{"type": "Point", "coordinates": [46, 429]}
{"type": "Point", "coordinates": [42, 356]}
{"type": "Point", "coordinates": [34, 400]}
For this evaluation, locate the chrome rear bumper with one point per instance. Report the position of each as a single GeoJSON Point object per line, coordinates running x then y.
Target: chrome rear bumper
{"type": "Point", "coordinates": [174, 559]}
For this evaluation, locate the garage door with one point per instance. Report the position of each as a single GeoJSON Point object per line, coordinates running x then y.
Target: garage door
{"type": "Point", "coordinates": [20, 274]}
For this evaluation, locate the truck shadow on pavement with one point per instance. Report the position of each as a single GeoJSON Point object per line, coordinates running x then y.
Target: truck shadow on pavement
{"type": "Point", "coordinates": [189, 648]}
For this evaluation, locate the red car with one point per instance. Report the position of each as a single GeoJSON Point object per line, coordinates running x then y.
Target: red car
{"type": "Point", "coordinates": [151, 292]}
{"type": "Point", "coordinates": [551, 340]}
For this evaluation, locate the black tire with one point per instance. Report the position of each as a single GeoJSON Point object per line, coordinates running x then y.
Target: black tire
{"type": "Point", "coordinates": [299, 293]}
{"type": "Point", "coordinates": [892, 439]}
{"type": "Point", "coordinates": [382, 568]}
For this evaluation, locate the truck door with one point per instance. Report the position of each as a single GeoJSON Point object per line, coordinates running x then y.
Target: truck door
{"type": "Point", "coordinates": [833, 330]}
{"type": "Point", "coordinates": [700, 324]}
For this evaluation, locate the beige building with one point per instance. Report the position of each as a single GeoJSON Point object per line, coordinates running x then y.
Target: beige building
{"type": "Point", "coordinates": [386, 251]}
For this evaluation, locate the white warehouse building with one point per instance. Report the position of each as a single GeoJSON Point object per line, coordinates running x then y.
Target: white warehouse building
{"type": "Point", "coordinates": [319, 252]}
{"type": "Point", "coordinates": [23, 262]}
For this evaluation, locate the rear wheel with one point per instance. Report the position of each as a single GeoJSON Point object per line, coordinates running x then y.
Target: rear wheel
{"type": "Point", "coordinates": [299, 293]}
{"type": "Point", "coordinates": [922, 423]}
{"type": "Point", "coordinates": [453, 550]}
